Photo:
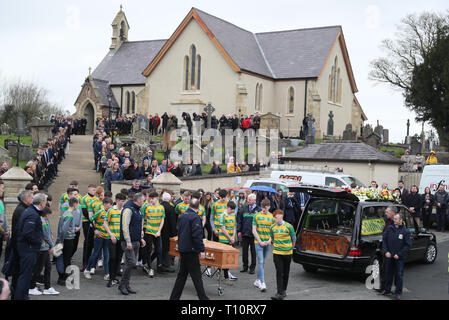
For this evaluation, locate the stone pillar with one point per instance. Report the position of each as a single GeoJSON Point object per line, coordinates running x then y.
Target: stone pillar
{"type": "Point", "coordinates": [169, 181]}
{"type": "Point", "coordinates": [15, 180]}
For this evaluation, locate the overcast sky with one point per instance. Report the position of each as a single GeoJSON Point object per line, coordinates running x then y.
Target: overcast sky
{"type": "Point", "coordinates": [54, 42]}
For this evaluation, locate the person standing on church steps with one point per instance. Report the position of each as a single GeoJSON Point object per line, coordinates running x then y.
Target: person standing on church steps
{"type": "Point", "coordinates": [190, 244]}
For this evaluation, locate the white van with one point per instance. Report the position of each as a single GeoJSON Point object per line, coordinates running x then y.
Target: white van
{"type": "Point", "coordinates": [432, 175]}
{"type": "Point", "coordinates": [318, 178]}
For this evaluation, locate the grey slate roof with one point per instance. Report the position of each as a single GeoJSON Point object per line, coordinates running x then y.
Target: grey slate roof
{"type": "Point", "coordinates": [103, 90]}
{"type": "Point", "coordinates": [279, 55]}
{"type": "Point", "coordinates": [298, 53]}
{"type": "Point", "coordinates": [125, 65]}
{"type": "Point", "coordinates": [240, 44]}
{"type": "Point", "coordinates": [344, 151]}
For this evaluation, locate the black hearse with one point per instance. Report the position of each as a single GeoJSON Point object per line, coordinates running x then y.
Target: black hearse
{"type": "Point", "coordinates": [339, 231]}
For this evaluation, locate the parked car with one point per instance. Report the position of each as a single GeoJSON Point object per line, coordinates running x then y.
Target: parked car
{"type": "Point", "coordinates": [339, 231]}
{"type": "Point", "coordinates": [272, 183]}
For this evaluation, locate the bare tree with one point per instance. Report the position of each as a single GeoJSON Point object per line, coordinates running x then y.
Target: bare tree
{"type": "Point", "coordinates": [415, 37]}
{"type": "Point", "coordinates": [26, 97]}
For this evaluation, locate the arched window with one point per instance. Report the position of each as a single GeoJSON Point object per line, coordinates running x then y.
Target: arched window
{"type": "Point", "coordinates": [186, 73]}
{"type": "Point", "coordinates": [258, 96]}
{"type": "Point", "coordinates": [133, 99]}
{"type": "Point", "coordinates": [198, 81]}
{"type": "Point", "coordinates": [335, 83]}
{"type": "Point", "coordinates": [127, 102]}
{"type": "Point", "coordinates": [291, 100]}
{"type": "Point", "coordinates": [193, 69]}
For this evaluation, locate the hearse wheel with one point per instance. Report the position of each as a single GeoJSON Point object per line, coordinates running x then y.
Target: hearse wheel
{"type": "Point", "coordinates": [309, 268]}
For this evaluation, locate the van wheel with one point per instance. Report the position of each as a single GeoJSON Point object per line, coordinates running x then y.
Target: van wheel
{"type": "Point", "coordinates": [309, 268]}
{"type": "Point", "coordinates": [431, 253]}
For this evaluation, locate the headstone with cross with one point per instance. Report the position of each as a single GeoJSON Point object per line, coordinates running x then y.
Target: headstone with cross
{"type": "Point", "coordinates": [209, 109]}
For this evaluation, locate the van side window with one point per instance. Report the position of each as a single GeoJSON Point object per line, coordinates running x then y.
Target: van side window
{"type": "Point", "coordinates": [373, 220]}
{"type": "Point", "coordinates": [333, 182]}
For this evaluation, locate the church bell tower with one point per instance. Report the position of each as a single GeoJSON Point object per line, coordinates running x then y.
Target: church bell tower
{"type": "Point", "coordinates": [120, 28]}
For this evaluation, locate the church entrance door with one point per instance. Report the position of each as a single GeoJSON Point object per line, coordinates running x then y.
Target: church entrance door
{"type": "Point", "coordinates": [90, 116]}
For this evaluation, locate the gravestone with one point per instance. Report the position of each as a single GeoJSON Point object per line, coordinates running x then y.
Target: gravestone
{"type": "Point", "coordinates": [373, 140]}
{"type": "Point", "coordinates": [415, 145]}
{"type": "Point", "coordinates": [270, 121]}
{"type": "Point", "coordinates": [209, 109]}
{"type": "Point", "coordinates": [310, 132]}
{"type": "Point", "coordinates": [142, 122]}
{"type": "Point", "coordinates": [386, 134]}
{"type": "Point", "coordinates": [40, 132]}
{"type": "Point", "coordinates": [5, 129]}
{"type": "Point", "coordinates": [4, 156]}
{"type": "Point", "coordinates": [349, 134]}
{"type": "Point", "coordinates": [330, 124]}
{"type": "Point", "coordinates": [139, 151]}
{"type": "Point", "coordinates": [379, 130]}
{"type": "Point", "coordinates": [367, 131]}
{"type": "Point", "coordinates": [25, 154]}
{"type": "Point", "coordinates": [142, 136]}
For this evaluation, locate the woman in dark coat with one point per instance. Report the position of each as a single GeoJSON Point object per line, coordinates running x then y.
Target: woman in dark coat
{"type": "Point", "coordinates": [414, 202]}
{"type": "Point", "coordinates": [428, 201]}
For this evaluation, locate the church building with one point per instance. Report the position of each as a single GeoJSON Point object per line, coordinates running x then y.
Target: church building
{"type": "Point", "coordinates": [209, 60]}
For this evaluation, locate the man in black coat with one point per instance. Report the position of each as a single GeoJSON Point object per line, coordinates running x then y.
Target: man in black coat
{"type": "Point", "coordinates": [168, 231]}
{"type": "Point", "coordinates": [396, 243]}
{"type": "Point", "coordinates": [190, 244]}
{"type": "Point", "coordinates": [25, 198]}
{"type": "Point", "coordinates": [29, 240]}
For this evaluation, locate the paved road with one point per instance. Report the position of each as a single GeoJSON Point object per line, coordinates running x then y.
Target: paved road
{"type": "Point", "coordinates": [421, 282]}
{"type": "Point", "coordinates": [77, 165]}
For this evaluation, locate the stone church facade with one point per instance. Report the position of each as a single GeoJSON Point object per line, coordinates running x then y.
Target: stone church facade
{"type": "Point", "coordinates": [288, 73]}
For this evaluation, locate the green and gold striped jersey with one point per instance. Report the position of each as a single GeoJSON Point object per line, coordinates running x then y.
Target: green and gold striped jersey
{"type": "Point", "coordinates": [228, 221]}
{"type": "Point", "coordinates": [218, 208]}
{"type": "Point", "coordinates": [181, 208]}
{"type": "Point", "coordinates": [98, 218]}
{"type": "Point", "coordinates": [282, 236]}
{"type": "Point", "coordinates": [153, 218]}
{"type": "Point", "coordinates": [113, 217]}
{"type": "Point", "coordinates": [85, 202]}
{"type": "Point", "coordinates": [263, 223]}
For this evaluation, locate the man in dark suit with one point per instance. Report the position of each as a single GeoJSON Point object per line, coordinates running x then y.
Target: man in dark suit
{"type": "Point", "coordinates": [29, 240]}
{"type": "Point", "coordinates": [404, 192]}
{"type": "Point", "coordinates": [190, 244]}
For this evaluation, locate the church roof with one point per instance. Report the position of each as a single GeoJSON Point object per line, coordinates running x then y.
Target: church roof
{"type": "Point", "coordinates": [279, 55]}
{"type": "Point", "coordinates": [104, 90]}
{"type": "Point", "coordinates": [124, 66]}
{"type": "Point", "coordinates": [343, 151]}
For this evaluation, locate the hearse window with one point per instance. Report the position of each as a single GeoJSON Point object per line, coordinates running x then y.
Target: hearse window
{"type": "Point", "coordinates": [333, 182]}
{"type": "Point", "coordinates": [372, 220]}
{"type": "Point", "coordinates": [335, 216]}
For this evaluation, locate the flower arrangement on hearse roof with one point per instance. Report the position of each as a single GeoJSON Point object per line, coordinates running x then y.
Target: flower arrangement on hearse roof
{"type": "Point", "coordinates": [375, 194]}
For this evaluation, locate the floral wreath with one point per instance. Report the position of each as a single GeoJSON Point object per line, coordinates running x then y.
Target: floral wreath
{"type": "Point", "coordinates": [374, 194]}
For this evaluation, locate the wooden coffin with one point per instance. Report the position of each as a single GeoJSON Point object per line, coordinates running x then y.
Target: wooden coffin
{"type": "Point", "coordinates": [218, 255]}
{"type": "Point", "coordinates": [324, 243]}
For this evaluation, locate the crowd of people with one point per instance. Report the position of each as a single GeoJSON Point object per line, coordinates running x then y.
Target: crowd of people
{"type": "Point", "coordinates": [422, 204]}
{"type": "Point", "coordinates": [112, 228]}
{"type": "Point", "coordinates": [416, 163]}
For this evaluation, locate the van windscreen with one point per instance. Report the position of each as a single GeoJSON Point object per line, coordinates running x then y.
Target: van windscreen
{"type": "Point", "coordinates": [351, 180]}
